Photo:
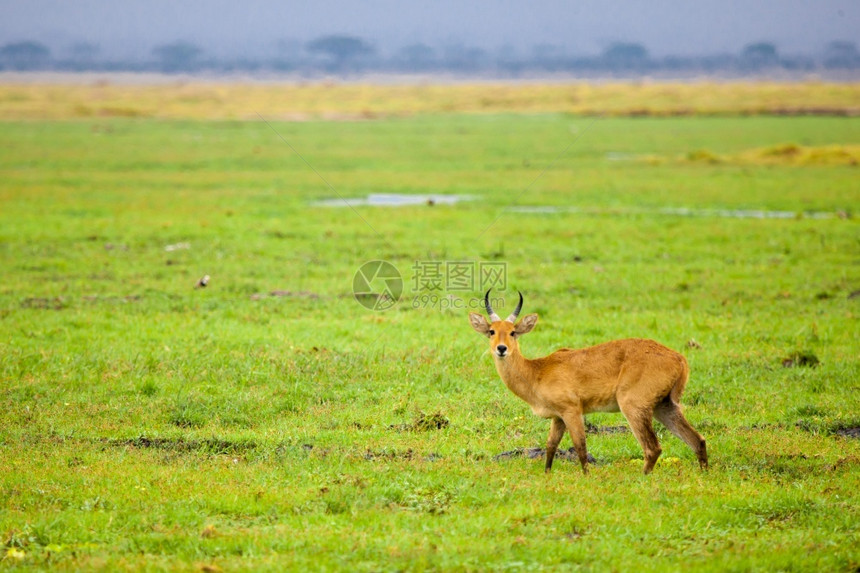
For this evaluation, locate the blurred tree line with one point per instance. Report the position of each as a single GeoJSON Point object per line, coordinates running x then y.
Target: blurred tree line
{"type": "Point", "coordinates": [344, 55]}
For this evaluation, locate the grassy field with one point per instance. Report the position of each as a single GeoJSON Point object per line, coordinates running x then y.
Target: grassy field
{"type": "Point", "coordinates": [269, 421]}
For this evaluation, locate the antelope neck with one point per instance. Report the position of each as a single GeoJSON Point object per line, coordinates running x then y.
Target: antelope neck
{"type": "Point", "coordinates": [515, 371]}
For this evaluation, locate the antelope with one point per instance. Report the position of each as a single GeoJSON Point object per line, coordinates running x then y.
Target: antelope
{"type": "Point", "coordinates": [640, 378]}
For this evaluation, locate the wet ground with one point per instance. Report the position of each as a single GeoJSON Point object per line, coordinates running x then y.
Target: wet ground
{"type": "Point", "coordinates": [392, 200]}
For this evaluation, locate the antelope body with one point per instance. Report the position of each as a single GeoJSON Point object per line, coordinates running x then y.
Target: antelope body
{"type": "Point", "coordinates": [640, 378]}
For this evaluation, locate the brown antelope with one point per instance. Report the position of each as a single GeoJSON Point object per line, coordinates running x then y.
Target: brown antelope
{"type": "Point", "coordinates": [640, 378]}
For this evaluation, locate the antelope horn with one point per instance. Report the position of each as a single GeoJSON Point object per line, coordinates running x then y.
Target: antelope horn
{"type": "Point", "coordinates": [490, 312]}
{"type": "Point", "coordinates": [517, 310]}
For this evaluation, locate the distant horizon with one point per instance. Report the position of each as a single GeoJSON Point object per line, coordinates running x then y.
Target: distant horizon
{"type": "Point", "coordinates": [300, 47]}
{"type": "Point", "coordinates": [256, 28]}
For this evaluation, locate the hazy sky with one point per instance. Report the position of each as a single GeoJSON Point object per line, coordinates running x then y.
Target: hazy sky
{"type": "Point", "coordinates": [684, 27]}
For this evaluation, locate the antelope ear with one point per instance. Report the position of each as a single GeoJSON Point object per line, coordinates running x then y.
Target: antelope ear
{"type": "Point", "coordinates": [526, 324]}
{"type": "Point", "coordinates": [479, 323]}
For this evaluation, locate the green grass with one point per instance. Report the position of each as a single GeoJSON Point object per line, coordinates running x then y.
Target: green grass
{"type": "Point", "coordinates": [146, 424]}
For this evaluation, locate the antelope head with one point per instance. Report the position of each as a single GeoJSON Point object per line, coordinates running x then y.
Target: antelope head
{"type": "Point", "coordinates": [503, 334]}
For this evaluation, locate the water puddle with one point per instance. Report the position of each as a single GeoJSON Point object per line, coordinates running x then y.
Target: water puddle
{"type": "Point", "coordinates": [392, 200]}
{"type": "Point", "coordinates": [744, 213]}
{"type": "Point", "coordinates": [403, 200]}
{"type": "Point", "coordinates": [679, 212]}
{"type": "Point", "coordinates": [623, 156]}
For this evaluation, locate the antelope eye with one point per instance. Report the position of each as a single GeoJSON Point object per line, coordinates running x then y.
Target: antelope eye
{"type": "Point", "coordinates": [492, 332]}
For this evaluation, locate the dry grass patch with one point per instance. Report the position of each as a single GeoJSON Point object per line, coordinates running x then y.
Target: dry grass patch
{"type": "Point", "coordinates": [353, 102]}
{"type": "Point", "coordinates": [782, 154]}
